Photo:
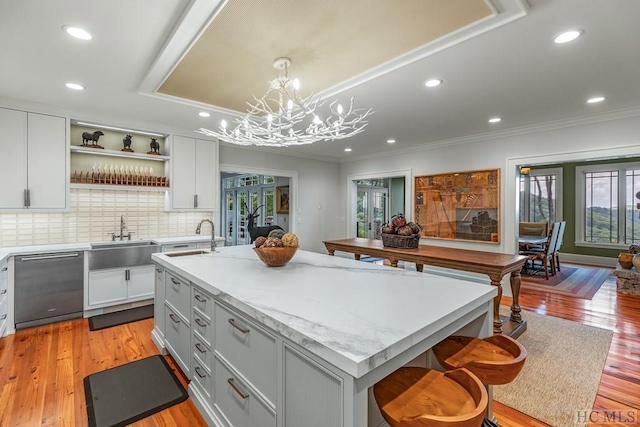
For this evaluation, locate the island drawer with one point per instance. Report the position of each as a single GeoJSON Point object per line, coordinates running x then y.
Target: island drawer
{"type": "Point", "coordinates": [202, 327]}
{"type": "Point", "coordinates": [237, 401]}
{"type": "Point", "coordinates": [248, 348]}
{"type": "Point", "coordinates": [178, 293]}
{"type": "Point", "coordinates": [202, 377]}
{"type": "Point", "coordinates": [4, 309]}
{"type": "Point", "coordinates": [203, 302]}
{"type": "Point", "coordinates": [202, 351]}
{"type": "Point", "coordinates": [178, 338]}
{"type": "Point", "coordinates": [4, 279]}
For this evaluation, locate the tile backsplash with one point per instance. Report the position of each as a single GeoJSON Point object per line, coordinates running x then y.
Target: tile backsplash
{"type": "Point", "coordinates": [94, 215]}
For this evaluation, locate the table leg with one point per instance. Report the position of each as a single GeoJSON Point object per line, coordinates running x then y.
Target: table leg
{"type": "Point", "coordinates": [393, 262]}
{"type": "Point", "coordinates": [331, 251]}
{"type": "Point", "coordinates": [419, 267]}
{"type": "Point", "coordinates": [497, 323]}
{"type": "Point", "coordinates": [515, 291]}
{"type": "Point", "coordinates": [356, 257]}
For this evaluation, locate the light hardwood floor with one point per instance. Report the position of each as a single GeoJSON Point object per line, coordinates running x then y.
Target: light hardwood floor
{"type": "Point", "coordinates": [42, 369]}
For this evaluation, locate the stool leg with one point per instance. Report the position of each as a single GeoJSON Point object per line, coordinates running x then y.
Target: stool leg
{"type": "Point", "coordinates": [488, 423]}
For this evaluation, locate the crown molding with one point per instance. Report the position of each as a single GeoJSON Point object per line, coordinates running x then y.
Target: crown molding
{"type": "Point", "coordinates": [524, 130]}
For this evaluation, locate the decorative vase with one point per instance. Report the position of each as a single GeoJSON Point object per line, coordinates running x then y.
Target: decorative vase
{"type": "Point", "coordinates": [626, 259]}
{"type": "Point", "coordinates": [636, 261]}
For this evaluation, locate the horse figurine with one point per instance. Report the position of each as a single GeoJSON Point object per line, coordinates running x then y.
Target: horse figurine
{"type": "Point", "coordinates": [155, 146]}
{"type": "Point", "coordinates": [126, 141]}
{"type": "Point", "coordinates": [93, 137]}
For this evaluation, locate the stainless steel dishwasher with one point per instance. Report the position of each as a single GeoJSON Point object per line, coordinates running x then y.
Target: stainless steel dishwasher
{"type": "Point", "coordinates": [48, 288]}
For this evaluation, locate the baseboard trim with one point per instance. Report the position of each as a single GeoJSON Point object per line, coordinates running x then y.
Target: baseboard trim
{"type": "Point", "coordinates": [599, 261]}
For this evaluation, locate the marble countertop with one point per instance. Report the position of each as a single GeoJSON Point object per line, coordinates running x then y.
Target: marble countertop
{"type": "Point", "coordinates": [6, 252]}
{"type": "Point", "coordinates": [354, 315]}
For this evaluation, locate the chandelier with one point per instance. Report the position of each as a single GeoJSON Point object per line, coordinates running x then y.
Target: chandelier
{"type": "Point", "coordinates": [281, 117]}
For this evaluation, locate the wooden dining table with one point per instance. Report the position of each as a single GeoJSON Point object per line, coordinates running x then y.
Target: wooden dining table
{"type": "Point", "coordinates": [495, 265]}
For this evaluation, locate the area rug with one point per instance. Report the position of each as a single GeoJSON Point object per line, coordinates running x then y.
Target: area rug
{"type": "Point", "coordinates": [582, 282]}
{"type": "Point", "coordinates": [562, 372]}
{"type": "Point", "coordinates": [120, 317]}
{"type": "Point", "coordinates": [127, 393]}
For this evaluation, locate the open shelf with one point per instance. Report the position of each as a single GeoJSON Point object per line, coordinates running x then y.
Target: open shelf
{"type": "Point", "coordinates": [114, 153]}
{"type": "Point", "coordinates": [117, 187]}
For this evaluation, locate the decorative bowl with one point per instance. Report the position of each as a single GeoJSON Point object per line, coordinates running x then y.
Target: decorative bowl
{"type": "Point", "coordinates": [275, 257]}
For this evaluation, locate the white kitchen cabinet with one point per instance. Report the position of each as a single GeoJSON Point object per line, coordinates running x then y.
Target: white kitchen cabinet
{"type": "Point", "coordinates": [158, 307]}
{"type": "Point", "coordinates": [4, 297]}
{"type": "Point", "coordinates": [194, 176]}
{"type": "Point", "coordinates": [178, 338]}
{"type": "Point", "coordinates": [120, 285]}
{"type": "Point", "coordinates": [35, 160]}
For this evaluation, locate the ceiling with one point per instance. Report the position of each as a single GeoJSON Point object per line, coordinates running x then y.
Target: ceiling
{"type": "Point", "coordinates": [496, 59]}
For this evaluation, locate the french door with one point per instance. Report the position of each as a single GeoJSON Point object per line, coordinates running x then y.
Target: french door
{"type": "Point", "coordinates": [372, 211]}
{"type": "Point", "coordinates": [236, 203]}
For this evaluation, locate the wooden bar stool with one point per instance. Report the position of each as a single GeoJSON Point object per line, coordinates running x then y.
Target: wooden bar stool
{"type": "Point", "coordinates": [495, 360]}
{"type": "Point", "coordinates": [421, 397]}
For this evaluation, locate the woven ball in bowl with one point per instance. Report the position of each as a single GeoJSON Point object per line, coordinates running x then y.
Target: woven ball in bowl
{"type": "Point", "coordinates": [275, 257]}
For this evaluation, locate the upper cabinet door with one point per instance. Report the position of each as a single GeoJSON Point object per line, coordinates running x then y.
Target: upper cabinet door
{"type": "Point", "coordinates": [207, 181]}
{"type": "Point", "coordinates": [48, 161]}
{"type": "Point", "coordinates": [13, 160]}
{"type": "Point", "coordinates": [194, 174]}
{"type": "Point", "coordinates": [183, 179]}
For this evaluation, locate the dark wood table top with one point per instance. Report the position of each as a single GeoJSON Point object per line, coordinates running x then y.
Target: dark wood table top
{"type": "Point", "coordinates": [490, 263]}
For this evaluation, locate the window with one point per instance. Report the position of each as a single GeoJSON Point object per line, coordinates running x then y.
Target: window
{"type": "Point", "coordinates": [607, 213]}
{"type": "Point", "coordinates": [541, 196]}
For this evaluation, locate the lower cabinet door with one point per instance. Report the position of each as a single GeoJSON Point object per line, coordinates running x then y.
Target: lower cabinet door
{"type": "Point", "coordinates": [141, 282]}
{"type": "Point", "coordinates": [178, 339]}
{"type": "Point", "coordinates": [237, 402]}
{"type": "Point", "coordinates": [107, 287]}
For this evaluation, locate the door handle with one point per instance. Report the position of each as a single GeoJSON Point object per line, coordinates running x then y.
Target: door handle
{"type": "Point", "coordinates": [127, 274]}
{"type": "Point", "coordinates": [37, 258]}
{"type": "Point", "coordinates": [195, 200]}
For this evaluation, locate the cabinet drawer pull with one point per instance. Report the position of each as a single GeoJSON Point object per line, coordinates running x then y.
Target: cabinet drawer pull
{"type": "Point", "coordinates": [200, 323]}
{"type": "Point", "coordinates": [5, 268]}
{"type": "Point", "coordinates": [2, 292]}
{"type": "Point", "coordinates": [174, 318]}
{"type": "Point", "coordinates": [199, 347]}
{"type": "Point", "coordinates": [232, 322]}
{"type": "Point", "coordinates": [4, 316]}
{"type": "Point", "coordinates": [158, 270]}
{"type": "Point", "coordinates": [179, 246]}
{"type": "Point", "coordinates": [197, 369]}
{"type": "Point", "coordinates": [199, 298]}
{"type": "Point", "coordinates": [175, 282]}
{"type": "Point", "coordinates": [235, 387]}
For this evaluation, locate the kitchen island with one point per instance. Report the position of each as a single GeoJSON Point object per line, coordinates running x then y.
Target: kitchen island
{"type": "Point", "coordinates": [302, 344]}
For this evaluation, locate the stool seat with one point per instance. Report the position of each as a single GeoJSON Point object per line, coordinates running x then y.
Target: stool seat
{"type": "Point", "coordinates": [421, 397]}
{"type": "Point", "coordinates": [495, 360]}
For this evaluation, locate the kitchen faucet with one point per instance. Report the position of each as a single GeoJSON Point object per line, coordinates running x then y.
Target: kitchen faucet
{"type": "Point", "coordinates": [123, 227]}
{"type": "Point", "coordinates": [213, 233]}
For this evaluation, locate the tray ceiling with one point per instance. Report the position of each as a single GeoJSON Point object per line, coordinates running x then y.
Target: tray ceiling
{"type": "Point", "coordinates": [328, 42]}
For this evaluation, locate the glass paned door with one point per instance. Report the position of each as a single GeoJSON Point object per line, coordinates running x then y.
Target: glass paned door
{"type": "Point", "coordinates": [372, 208]}
{"type": "Point", "coordinates": [541, 196]}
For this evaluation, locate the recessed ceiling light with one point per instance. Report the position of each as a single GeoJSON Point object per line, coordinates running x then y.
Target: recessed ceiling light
{"type": "Point", "coordinates": [568, 36]}
{"type": "Point", "coordinates": [391, 141]}
{"type": "Point", "coordinates": [74, 86]}
{"type": "Point", "coordinates": [347, 149]}
{"type": "Point", "coordinates": [433, 83]}
{"type": "Point", "coordinates": [76, 32]}
{"type": "Point", "coordinates": [495, 120]}
{"type": "Point", "coordinates": [595, 99]}
{"type": "Point", "coordinates": [204, 114]}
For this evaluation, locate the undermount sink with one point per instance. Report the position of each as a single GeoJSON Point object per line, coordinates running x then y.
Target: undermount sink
{"type": "Point", "coordinates": [127, 253]}
{"type": "Point", "coordinates": [187, 253]}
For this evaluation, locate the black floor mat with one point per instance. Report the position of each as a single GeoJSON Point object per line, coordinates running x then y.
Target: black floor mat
{"type": "Point", "coordinates": [127, 393]}
{"type": "Point", "coordinates": [120, 317]}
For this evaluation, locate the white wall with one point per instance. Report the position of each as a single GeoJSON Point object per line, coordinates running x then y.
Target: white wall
{"type": "Point", "coordinates": [614, 137]}
{"type": "Point", "coordinates": [314, 215]}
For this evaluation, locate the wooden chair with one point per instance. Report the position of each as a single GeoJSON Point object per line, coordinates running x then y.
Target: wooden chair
{"type": "Point", "coordinates": [537, 229]}
{"type": "Point", "coordinates": [421, 397]}
{"type": "Point", "coordinates": [546, 255]}
{"type": "Point", "coordinates": [556, 250]}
